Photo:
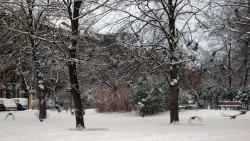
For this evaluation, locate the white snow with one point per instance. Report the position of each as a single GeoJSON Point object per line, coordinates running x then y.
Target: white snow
{"type": "Point", "coordinates": [125, 127]}
{"type": "Point", "coordinates": [41, 86]}
{"type": "Point", "coordinates": [173, 82]}
{"type": "Point", "coordinates": [40, 74]}
{"type": "Point", "coordinates": [40, 82]}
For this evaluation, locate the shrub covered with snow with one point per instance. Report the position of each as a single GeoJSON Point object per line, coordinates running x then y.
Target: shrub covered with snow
{"type": "Point", "coordinates": [244, 96]}
{"type": "Point", "coordinates": [228, 94]}
{"type": "Point", "coordinates": [151, 97]}
{"type": "Point", "coordinates": [236, 94]}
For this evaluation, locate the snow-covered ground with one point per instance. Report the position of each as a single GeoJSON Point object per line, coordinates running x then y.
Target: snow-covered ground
{"type": "Point", "coordinates": [215, 126]}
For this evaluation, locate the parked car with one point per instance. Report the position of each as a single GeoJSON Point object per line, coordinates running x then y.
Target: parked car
{"type": "Point", "coordinates": [7, 104]}
{"type": "Point", "coordinates": [2, 107]}
{"type": "Point", "coordinates": [22, 103]}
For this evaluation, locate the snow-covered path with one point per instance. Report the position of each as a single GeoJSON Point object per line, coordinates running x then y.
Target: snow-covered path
{"type": "Point", "coordinates": [125, 127]}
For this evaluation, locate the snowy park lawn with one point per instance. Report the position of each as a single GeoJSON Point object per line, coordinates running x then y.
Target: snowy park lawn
{"type": "Point", "coordinates": [125, 127]}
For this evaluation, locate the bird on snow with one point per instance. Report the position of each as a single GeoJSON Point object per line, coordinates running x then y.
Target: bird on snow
{"type": "Point", "coordinates": [234, 116]}
{"type": "Point", "coordinates": [195, 117]}
{"type": "Point", "coordinates": [231, 116]}
{"type": "Point", "coordinates": [243, 112]}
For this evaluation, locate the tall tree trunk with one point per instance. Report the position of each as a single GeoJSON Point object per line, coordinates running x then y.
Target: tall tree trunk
{"type": "Point", "coordinates": [174, 88]}
{"type": "Point", "coordinates": [246, 55]}
{"type": "Point", "coordinates": [229, 65]}
{"type": "Point", "coordinates": [38, 66]}
{"type": "Point", "coordinates": [40, 83]}
{"type": "Point", "coordinates": [79, 111]}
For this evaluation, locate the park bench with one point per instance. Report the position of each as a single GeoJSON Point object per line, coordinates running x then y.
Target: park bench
{"type": "Point", "coordinates": [230, 105]}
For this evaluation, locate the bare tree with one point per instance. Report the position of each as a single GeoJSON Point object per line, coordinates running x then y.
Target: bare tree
{"type": "Point", "coordinates": [155, 24]}
{"type": "Point", "coordinates": [77, 10]}
{"type": "Point", "coordinates": [29, 22]}
{"type": "Point", "coordinates": [231, 26]}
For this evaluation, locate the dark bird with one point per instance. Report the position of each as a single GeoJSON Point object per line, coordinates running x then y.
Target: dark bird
{"type": "Point", "coordinates": [195, 117]}
{"type": "Point", "coordinates": [225, 115]}
{"type": "Point", "coordinates": [189, 43]}
{"type": "Point", "coordinates": [209, 88]}
{"type": "Point", "coordinates": [233, 117]}
{"type": "Point", "coordinates": [196, 47]}
{"type": "Point", "coordinates": [236, 11]}
{"type": "Point", "coordinates": [113, 66]}
{"type": "Point", "coordinates": [9, 114]}
{"type": "Point", "coordinates": [243, 112]}
{"type": "Point", "coordinates": [91, 52]}
{"type": "Point", "coordinates": [205, 69]}
{"type": "Point", "coordinates": [214, 53]}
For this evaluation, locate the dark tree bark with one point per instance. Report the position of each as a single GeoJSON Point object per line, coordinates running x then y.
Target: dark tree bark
{"type": "Point", "coordinates": [38, 66]}
{"type": "Point", "coordinates": [229, 65]}
{"type": "Point", "coordinates": [172, 41]}
{"type": "Point", "coordinates": [246, 62]}
{"type": "Point", "coordinates": [79, 111]}
{"type": "Point", "coordinates": [246, 54]}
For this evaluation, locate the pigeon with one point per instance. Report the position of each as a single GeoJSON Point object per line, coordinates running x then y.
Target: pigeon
{"type": "Point", "coordinates": [234, 116]}
{"type": "Point", "coordinates": [195, 117]}
{"type": "Point", "coordinates": [243, 112]}
{"type": "Point", "coordinates": [9, 114]}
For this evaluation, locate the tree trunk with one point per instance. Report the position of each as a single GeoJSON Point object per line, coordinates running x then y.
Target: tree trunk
{"type": "Point", "coordinates": [174, 111]}
{"type": "Point", "coordinates": [38, 66]}
{"type": "Point", "coordinates": [246, 53]}
{"type": "Point", "coordinates": [229, 65]}
{"type": "Point", "coordinates": [174, 87]}
{"type": "Point", "coordinates": [79, 111]}
{"type": "Point", "coordinates": [246, 62]}
{"type": "Point", "coordinates": [40, 83]}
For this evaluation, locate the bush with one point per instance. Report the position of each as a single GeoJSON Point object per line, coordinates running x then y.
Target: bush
{"type": "Point", "coordinates": [229, 94]}
{"type": "Point", "coordinates": [236, 94]}
{"type": "Point", "coordinates": [150, 98]}
{"type": "Point", "coordinates": [106, 101]}
{"type": "Point", "coordinates": [244, 97]}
